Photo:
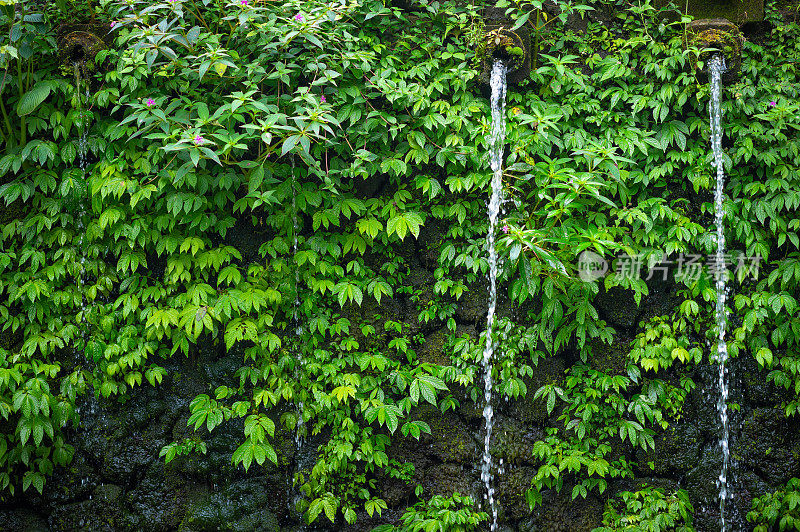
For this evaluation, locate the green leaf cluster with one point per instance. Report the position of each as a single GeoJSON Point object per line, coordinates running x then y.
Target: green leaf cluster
{"type": "Point", "coordinates": [777, 511]}
{"type": "Point", "coordinates": [648, 509]}
{"type": "Point", "coordinates": [439, 514]}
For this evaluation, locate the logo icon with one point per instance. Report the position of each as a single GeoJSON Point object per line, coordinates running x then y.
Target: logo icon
{"type": "Point", "coordinates": [591, 266]}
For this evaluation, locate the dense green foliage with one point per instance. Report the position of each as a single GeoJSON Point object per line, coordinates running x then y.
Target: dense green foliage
{"type": "Point", "coordinates": [439, 514]}
{"type": "Point", "coordinates": [258, 176]}
{"type": "Point", "coordinates": [648, 510]}
{"type": "Point", "coordinates": [780, 509]}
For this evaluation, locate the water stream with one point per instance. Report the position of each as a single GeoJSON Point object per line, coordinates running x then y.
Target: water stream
{"type": "Point", "coordinates": [716, 67]}
{"type": "Point", "coordinates": [298, 329]}
{"type": "Point", "coordinates": [301, 458]}
{"type": "Point", "coordinates": [497, 139]}
{"type": "Point", "coordinates": [90, 411]}
{"type": "Point", "coordinates": [82, 123]}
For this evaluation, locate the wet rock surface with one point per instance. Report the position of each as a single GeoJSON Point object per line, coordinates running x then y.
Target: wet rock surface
{"type": "Point", "coordinates": [118, 482]}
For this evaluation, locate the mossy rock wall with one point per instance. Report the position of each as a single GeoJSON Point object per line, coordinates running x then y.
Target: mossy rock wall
{"type": "Point", "coordinates": [118, 482]}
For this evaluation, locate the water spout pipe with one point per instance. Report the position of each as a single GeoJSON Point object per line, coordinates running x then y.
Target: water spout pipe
{"type": "Point", "coordinates": [507, 46]}
{"type": "Point", "coordinates": [79, 44]}
{"type": "Point", "coordinates": [500, 41]}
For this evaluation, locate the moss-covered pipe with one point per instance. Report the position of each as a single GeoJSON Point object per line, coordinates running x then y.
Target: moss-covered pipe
{"type": "Point", "coordinates": [79, 44]}
{"type": "Point", "coordinates": [500, 41]}
{"type": "Point", "coordinates": [507, 46]}
{"type": "Point", "coordinates": [721, 36]}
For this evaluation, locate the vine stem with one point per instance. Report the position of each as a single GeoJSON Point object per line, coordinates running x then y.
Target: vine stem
{"type": "Point", "coordinates": [10, 137]}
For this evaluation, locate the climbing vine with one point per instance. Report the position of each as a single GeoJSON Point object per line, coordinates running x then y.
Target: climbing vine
{"type": "Point", "coordinates": [266, 180]}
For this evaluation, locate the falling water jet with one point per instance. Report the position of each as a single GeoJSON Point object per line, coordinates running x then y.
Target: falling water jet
{"type": "Point", "coordinates": [298, 330]}
{"type": "Point", "coordinates": [79, 188]}
{"type": "Point", "coordinates": [722, 35]}
{"type": "Point", "coordinates": [299, 429]}
{"type": "Point", "coordinates": [89, 409]}
{"type": "Point", "coordinates": [716, 68]}
{"type": "Point", "coordinates": [497, 139]}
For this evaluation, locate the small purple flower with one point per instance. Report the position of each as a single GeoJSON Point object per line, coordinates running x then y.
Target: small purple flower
{"type": "Point", "coordinates": [322, 99]}
{"type": "Point", "coordinates": [298, 17]}
{"type": "Point", "coordinates": [150, 102]}
{"type": "Point", "coordinates": [199, 140]}
{"type": "Point", "coordinates": [773, 103]}
{"type": "Point", "coordinates": [113, 23]}
{"type": "Point", "coordinates": [506, 229]}
{"type": "Point", "coordinates": [243, 2]}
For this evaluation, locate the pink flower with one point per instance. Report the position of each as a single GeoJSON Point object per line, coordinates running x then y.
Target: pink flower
{"type": "Point", "coordinates": [243, 2]}
{"type": "Point", "coordinates": [199, 140]}
{"type": "Point", "coordinates": [773, 103]}
{"type": "Point", "coordinates": [113, 23]}
{"type": "Point", "coordinates": [298, 17]}
{"type": "Point", "coordinates": [150, 102]}
{"type": "Point", "coordinates": [506, 229]}
{"type": "Point", "coordinates": [322, 99]}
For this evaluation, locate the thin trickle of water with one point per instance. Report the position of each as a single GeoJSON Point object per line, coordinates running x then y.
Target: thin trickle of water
{"type": "Point", "coordinates": [716, 67]}
{"type": "Point", "coordinates": [83, 122]}
{"type": "Point", "coordinates": [83, 101]}
{"type": "Point", "coordinates": [79, 191]}
{"type": "Point", "coordinates": [298, 329]}
{"type": "Point", "coordinates": [299, 431]}
{"type": "Point", "coordinates": [497, 139]}
{"type": "Point", "coordinates": [88, 408]}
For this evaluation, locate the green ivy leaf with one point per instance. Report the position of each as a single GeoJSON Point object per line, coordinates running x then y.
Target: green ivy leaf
{"type": "Point", "coordinates": [32, 99]}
